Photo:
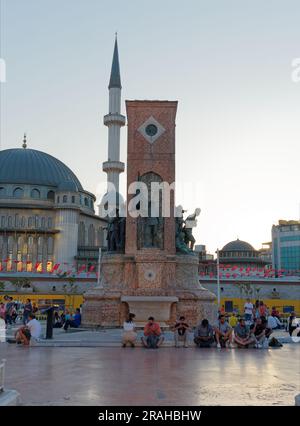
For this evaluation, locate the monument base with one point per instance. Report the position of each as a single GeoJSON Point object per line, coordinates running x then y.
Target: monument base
{"type": "Point", "coordinates": [146, 306]}
{"type": "Point", "coordinates": [148, 284]}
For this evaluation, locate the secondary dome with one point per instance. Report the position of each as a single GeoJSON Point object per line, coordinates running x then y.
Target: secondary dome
{"type": "Point", "coordinates": [29, 166]}
{"type": "Point", "coordinates": [238, 245]}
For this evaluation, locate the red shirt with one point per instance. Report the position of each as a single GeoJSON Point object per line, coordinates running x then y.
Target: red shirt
{"type": "Point", "coordinates": [153, 328]}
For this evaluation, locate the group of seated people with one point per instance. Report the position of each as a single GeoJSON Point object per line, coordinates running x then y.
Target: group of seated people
{"type": "Point", "coordinates": [30, 332]}
{"type": "Point", "coordinates": [66, 319]}
{"type": "Point", "coordinates": [222, 334]}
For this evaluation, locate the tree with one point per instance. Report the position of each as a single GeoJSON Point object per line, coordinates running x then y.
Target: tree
{"type": "Point", "coordinates": [20, 283]}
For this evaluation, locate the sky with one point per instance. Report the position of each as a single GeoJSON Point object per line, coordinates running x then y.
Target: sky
{"type": "Point", "coordinates": [229, 65]}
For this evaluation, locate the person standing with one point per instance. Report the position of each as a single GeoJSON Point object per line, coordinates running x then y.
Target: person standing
{"type": "Point", "coordinates": [181, 332]}
{"type": "Point", "coordinates": [9, 307]}
{"type": "Point", "coordinates": [262, 309]}
{"type": "Point", "coordinates": [27, 310]}
{"type": "Point", "coordinates": [152, 334]}
{"type": "Point", "coordinates": [129, 333]}
{"type": "Point", "coordinates": [2, 311]}
{"type": "Point", "coordinates": [248, 311]}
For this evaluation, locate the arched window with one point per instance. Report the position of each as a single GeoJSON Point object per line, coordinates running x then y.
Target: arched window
{"type": "Point", "coordinates": [30, 245]}
{"type": "Point", "coordinates": [20, 244]}
{"type": "Point", "coordinates": [23, 222]}
{"type": "Point", "coordinates": [43, 224]}
{"type": "Point", "coordinates": [30, 222]}
{"type": "Point", "coordinates": [35, 193]}
{"type": "Point", "coordinates": [40, 245]}
{"type": "Point", "coordinates": [18, 193]}
{"type": "Point", "coordinates": [10, 244]}
{"type": "Point", "coordinates": [65, 199]}
{"type": "Point", "coordinates": [2, 192]}
{"type": "Point", "coordinates": [9, 224]}
{"type": "Point", "coordinates": [3, 221]}
{"type": "Point", "coordinates": [50, 195]}
{"type": "Point", "coordinates": [17, 221]}
{"type": "Point", "coordinates": [73, 199]}
{"type": "Point", "coordinates": [91, 236]}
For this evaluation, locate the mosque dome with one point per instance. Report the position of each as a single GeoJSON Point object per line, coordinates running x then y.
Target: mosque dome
{"type": "Point", "coordinates": [238, 245]}
{"type": "Point", "coordinates": [239, 252]}
{"type": "Point", "coordinates": [32, 167]}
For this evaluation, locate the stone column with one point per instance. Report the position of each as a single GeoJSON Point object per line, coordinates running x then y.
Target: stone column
{"type": "Point", "coordinates": [66, 241]}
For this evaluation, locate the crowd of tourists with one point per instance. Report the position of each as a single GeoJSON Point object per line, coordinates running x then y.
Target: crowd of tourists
{"type": "Point", "coordinates": [11, 313]}
{"type": "Point", "coordinates": [252, 330]}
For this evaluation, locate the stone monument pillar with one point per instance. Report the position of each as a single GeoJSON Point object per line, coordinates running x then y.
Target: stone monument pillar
{"type": "Point", "coordinates": [149, 277]}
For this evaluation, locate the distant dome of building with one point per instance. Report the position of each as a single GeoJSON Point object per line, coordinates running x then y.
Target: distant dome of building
{"type": "Point", "coordinates": [29, 166]}
{"type": "Point", "coordinates": [238, 245]}
{"type": "Point", "coordinates": [240, 252]}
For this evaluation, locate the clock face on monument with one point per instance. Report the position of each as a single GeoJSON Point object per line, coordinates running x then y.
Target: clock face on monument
{"type": "Point", "coordinates": [151, 130]}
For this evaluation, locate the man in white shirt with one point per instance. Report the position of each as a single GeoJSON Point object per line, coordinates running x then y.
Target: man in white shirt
{"type": "Point", "coordinates": [248, 311]}
{"type": "Point", "coordinates": [30, 333]}
{"type": "Point", "coordinates": [35, 327]}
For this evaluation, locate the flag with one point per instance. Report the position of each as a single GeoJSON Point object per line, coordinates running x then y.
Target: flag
{"type": "Point", "coordinates": [55, 267]}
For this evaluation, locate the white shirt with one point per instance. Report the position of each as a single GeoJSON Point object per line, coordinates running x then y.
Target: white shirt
{"type": "Point", "coordinates": [273, 322]}
{"type": "Point", "coordinates": [35, 328]}
{"type": "Point", "coordinates": [129, 326]}
{"type": "Point", "coordinates": [248, 308]}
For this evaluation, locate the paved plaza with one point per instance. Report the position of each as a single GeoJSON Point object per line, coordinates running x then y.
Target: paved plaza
{"type": "Point", "coordinates": [168, 376]}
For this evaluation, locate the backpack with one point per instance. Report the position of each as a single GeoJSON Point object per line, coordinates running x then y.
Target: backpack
{"type": "Point", "coordinates": [274, 343]}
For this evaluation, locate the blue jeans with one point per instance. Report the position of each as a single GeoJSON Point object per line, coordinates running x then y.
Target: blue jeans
{"type": "Point", "coordinates": [8, 319]}
{"type": "Point", "coordinates": [70, 323]}
{"type": "Point", "coordinates": [248, 317]}
{"type": "Point", "coordinates": [25, 318]}
{"type": "Point", "coordinates": [152, 341]}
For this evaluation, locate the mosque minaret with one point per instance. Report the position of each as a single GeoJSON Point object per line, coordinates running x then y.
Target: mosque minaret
{"type": "Point", "coordinates": [114, 121]}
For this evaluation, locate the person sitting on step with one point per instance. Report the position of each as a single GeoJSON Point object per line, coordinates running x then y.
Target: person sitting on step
{"type": "Point", "coordinates": [181, 332]}
{"type": "Point", "coordinates": [204, 335]}
{"type": "Point", "coordinates": [260, 332]}
{"type": "Point", "coordinates": [223, 333]}
{"type": "Point", "coordinates": [129, 334]}
{"type": "Point", "coordinates": [242, 334]}
{"type": "Point", "coordinates": [74, 323]}
{"type": "Point", "coordinates": [152, 334]}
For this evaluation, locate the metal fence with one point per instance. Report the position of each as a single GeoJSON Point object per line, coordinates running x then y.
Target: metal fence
{"type": "Point", "coordinates": [2, 371]}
